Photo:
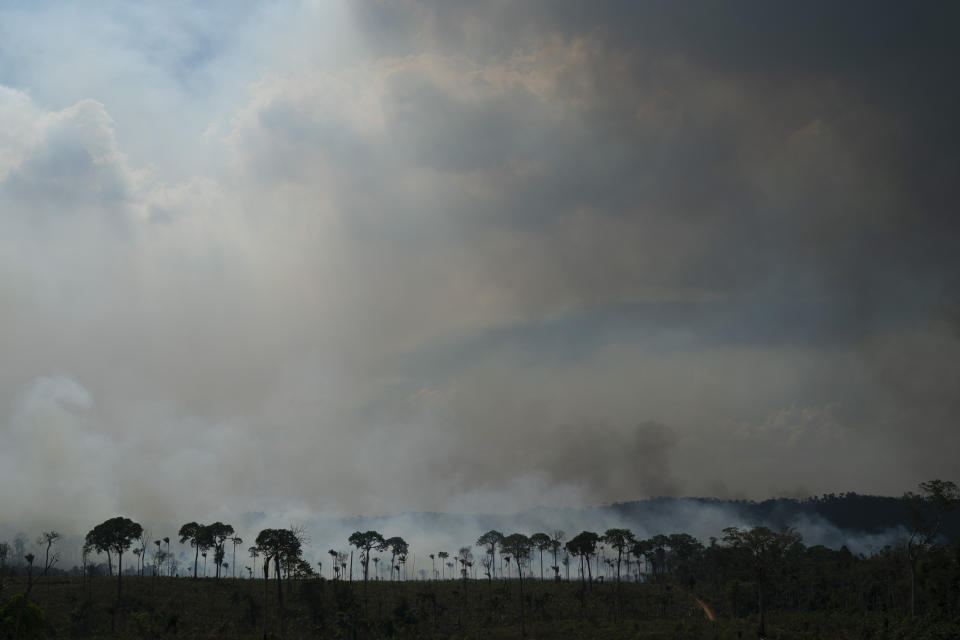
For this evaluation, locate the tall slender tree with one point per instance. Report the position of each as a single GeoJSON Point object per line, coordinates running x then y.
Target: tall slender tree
{"type": "Point", "coordinates": [194, 533]}
{"type": "Point", "coordinates": [366, 541]}
{"type": "Point", "coordinates": [491, 540]}
{"type": "Point", "coordinates": [926, 511]}
{"type": "Point", "coordinates": [280, 545]}
{"type": "Point", "coordinates": [540, 541]}
{"type": "Point", "coordinates": [443, 555]}
{"type": "Point", "coordinates": [397, 547]}
{"type": "Point", "coordinates": [764, 548]}
{"type": "Point", "coordinates": [215, 536]}
{"type": "Point", "coordinates": [621, 540]}
{"type": "Point", "coordinates": [166, 540]}
{"type": "Point", "coordinates": [556, 544]}
{"type": "Point", "coordinates": [518, 546]}
{"type": "Point", "coordinates": [584, 545]}
{"type": "Point", "coordinates": [235, 540]}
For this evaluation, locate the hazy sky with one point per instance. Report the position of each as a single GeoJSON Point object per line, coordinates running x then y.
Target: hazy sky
{"type": "Point", "coordinates": [388, 255]}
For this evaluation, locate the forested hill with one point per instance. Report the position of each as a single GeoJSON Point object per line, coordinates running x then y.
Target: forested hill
{"type": "Point", "coordinates": [847, 511]}
{"type": "Point", "coordinates": [865, 524]}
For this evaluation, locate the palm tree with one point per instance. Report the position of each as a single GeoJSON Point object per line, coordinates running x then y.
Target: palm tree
{"type": "Point", "coordinates": [235, 540]}
{"type": "Point", "coordinates": [334, 564]}
{"type": "Point", "coordinates": [443, 555]}
{"type": "Point", "coordinates": [402, 559]}
{"type": "Point", "coordinates": [166, 539]}
{"type": "Point", "coordinates": [433, 559]}
{"type": "Point", "coordinates": [465, 556]}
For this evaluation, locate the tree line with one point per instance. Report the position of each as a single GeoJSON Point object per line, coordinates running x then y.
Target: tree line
{"type": "Point", "coordinates": [744, 571]}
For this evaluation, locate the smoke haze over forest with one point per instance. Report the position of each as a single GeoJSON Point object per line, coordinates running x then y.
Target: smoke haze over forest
{"type": "Point", "coordinates": [323, 258]}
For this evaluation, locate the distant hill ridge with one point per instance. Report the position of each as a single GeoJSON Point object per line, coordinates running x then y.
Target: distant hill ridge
{"type": "Point", "coordinates": [848, 511]}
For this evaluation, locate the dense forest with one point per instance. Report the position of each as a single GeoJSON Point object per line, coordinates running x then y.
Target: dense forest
{"type": "Point", "coordinates": [758, 581]}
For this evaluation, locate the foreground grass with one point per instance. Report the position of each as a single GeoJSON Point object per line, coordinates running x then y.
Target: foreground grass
{"type": "Point", "coordinates": [206, 608]}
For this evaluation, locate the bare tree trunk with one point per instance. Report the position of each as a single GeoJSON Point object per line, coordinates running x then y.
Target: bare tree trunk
{"type": "Point", "coordinates": [266, 585]}
{"type": "Point", "coordinates": [280, 611]}
{"type": "Point", "coordinates": [523, 622]}
{"type": "Point", "coordinates": [119, 573]}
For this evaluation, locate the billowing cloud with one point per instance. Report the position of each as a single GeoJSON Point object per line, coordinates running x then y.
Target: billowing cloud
{"type": "Point", "coordinates": [473, 257]}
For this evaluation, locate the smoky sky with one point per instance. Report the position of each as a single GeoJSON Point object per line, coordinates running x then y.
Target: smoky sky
{"type": "Point", "coordinates": [389, 255]}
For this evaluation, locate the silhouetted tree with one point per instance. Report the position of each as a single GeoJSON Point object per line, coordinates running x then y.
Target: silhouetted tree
{"type": "Point", "coordinates": [491, 540]}
{"type": "Point", "coordinates": [235, 540]}
{"type": "Point", "coordinates": [583, 545]}
{"type": "Point", "coordinates": [619, 539]}
{"type": "Point", "coordinates": [398, 547]}
{"type": "Point", "coordinates": [518, 547]}
{"type": "Point", "coordinates": [366, 541]}
{"type": "Point", "coordinates": [685, 550]}
{"type": "Point", "coordinates": [765, 548]}
{"type": "Point", "coordinates": [335, 564]}
{"type": "Point", "coordinates": [280, 545]}
{"type": "Point", "coordinates": [542, 542]}
{"type": "Point", "coordinates": [166, 541]}
{"type": "Point", "coordinates": [115, 534]}
{"type": "Point", "coordinates": [215, 536]}
{"type": "Point", "coordinates": [465, 558]}
{"type": "Point", "coordinates": [443, 555]}
{"type": "Point", "coordinates": [926, 511]}
{"type": "Point", "coordinates": [194, 534]}
{"type": "Point", "coordinates": [556, 543]}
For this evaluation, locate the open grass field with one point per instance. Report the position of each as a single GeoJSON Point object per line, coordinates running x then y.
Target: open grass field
{"type": "Point", "coordinates": [206, 608]}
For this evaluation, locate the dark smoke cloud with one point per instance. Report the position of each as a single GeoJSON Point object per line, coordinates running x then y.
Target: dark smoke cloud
{"type": "Point", "coordinates": [475, 256]}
